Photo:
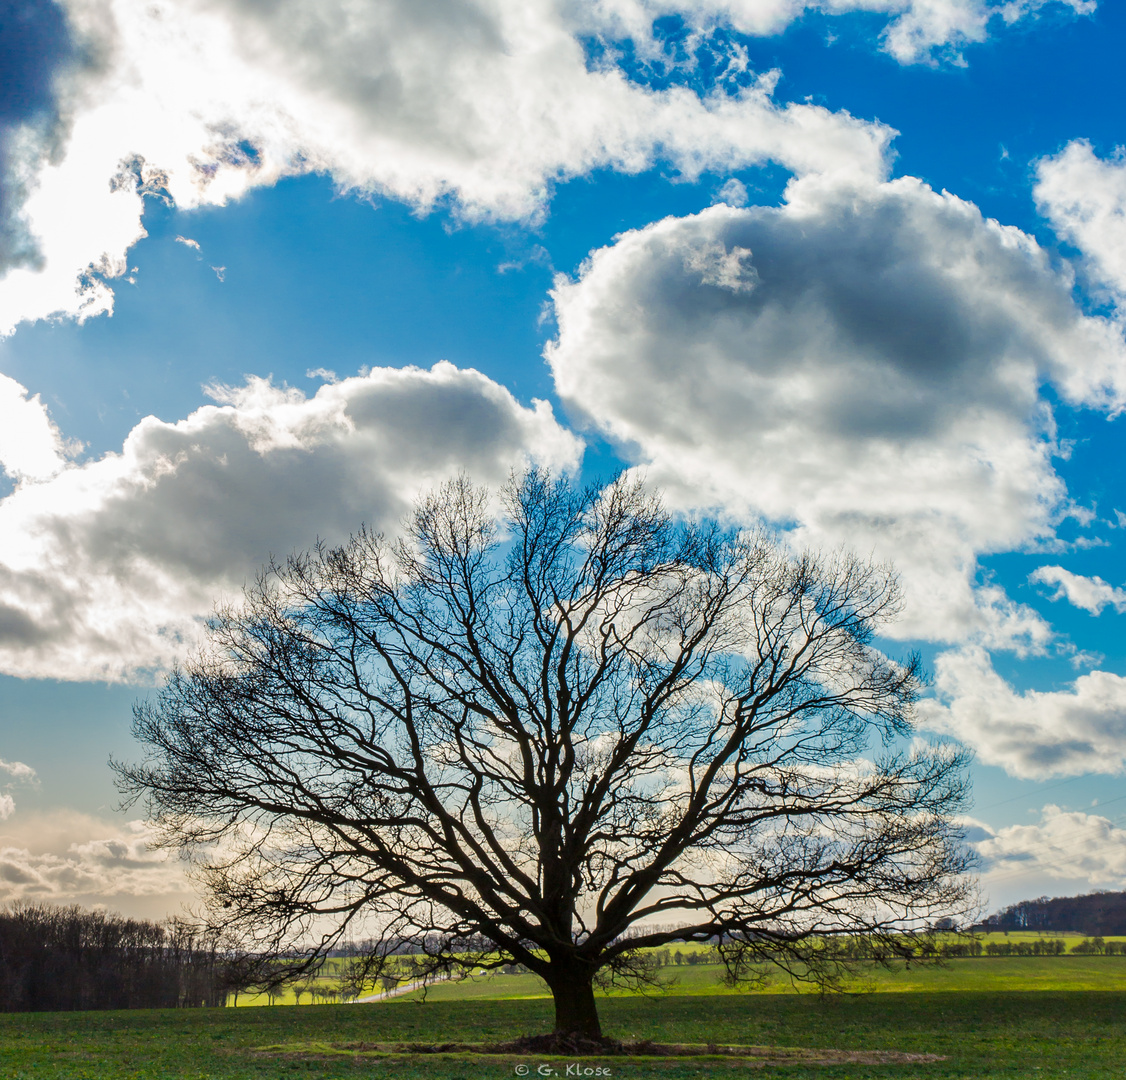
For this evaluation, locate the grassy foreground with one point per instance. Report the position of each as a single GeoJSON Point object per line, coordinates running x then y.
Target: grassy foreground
{"type": "Point", "coordinates": [1012, 1034]}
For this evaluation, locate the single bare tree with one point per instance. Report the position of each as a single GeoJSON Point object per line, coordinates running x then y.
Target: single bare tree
{"type": "Point", "coordinates": [557, 740]}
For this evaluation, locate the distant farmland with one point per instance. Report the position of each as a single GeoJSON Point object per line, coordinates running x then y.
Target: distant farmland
{"type": "Point", "coordinates": [1069, 971]}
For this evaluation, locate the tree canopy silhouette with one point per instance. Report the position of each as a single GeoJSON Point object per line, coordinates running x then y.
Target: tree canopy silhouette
{"type": "Point", "coordinates": [555, 735]}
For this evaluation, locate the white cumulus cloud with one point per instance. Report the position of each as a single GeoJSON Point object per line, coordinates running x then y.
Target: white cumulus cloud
{"type": "Point", "coordinates": [1064, 844]}
{"type": "Point", "coordinates": [1034, 734]}
{"type": "Point", "coordinates": [107, 568]}
{"type": "Point", "coordinates": [862, 364]}
{"type": "Point", "coordinates": [486, 103]}
{"type": "Point", "coordinates": [1089, 593]}
{"type": "Point", "coordinates": [1084, 197]}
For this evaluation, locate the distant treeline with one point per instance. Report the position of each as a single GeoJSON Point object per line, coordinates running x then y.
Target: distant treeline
{"type": "Point", "coordinates": [55, 958]}
{"type": "Point", "coordinates": [1101, 913]}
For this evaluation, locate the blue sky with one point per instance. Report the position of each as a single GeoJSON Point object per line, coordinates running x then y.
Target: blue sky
{"type": "Point", "coordinates": [856, 272]}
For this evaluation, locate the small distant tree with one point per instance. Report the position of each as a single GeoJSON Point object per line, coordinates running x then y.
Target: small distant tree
{"type": "Point", "coordinates": [303, 986]}
{"type": "Point", "coordinates": [557, 738]}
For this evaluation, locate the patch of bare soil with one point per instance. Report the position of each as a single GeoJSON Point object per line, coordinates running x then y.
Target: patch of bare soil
{"type": "Point", "coordinates": [579, 1046]}
{"type": "Point", "coordinates": [582, 1047]}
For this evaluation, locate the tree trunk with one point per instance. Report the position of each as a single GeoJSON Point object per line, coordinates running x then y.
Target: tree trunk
{"type": "Point", "coordinates": [575, 1010]}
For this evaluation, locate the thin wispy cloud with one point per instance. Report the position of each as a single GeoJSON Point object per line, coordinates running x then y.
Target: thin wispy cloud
{"type": "Point", "coordinates": [1089, 593]}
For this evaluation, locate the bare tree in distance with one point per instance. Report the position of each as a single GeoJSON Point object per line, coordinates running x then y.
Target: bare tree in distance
{"type": "Point", "coordinates": [556, 739]}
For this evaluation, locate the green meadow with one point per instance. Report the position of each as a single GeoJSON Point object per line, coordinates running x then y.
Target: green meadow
{"type": "Point", "coordinates": [1020, 1035]}
{"type": "Point", "coordinates": [999, 1017]}
{"type": "Point", "coordinates": [980, 974]}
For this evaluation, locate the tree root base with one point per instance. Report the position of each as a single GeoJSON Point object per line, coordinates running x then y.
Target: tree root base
{"type": "Point", "coordinates": [565, 1043]}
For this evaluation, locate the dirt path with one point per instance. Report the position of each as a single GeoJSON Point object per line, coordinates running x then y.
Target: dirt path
{"type": "Point", "coordinates": [406, 988]}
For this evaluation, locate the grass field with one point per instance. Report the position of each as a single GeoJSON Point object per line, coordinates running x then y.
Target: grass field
{"type": "Point", "coordinates": [981, 973]}
{"type": "Point", "coordinates": [991, 1017]}
{"type": "Point", "coordinates": [1012, 1035]}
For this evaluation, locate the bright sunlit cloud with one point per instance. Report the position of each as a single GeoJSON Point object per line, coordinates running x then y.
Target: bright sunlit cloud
{"type": "Point", "coordinates": [199, 102]}
{"type": "Point", "coordinates": [31, 447]}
